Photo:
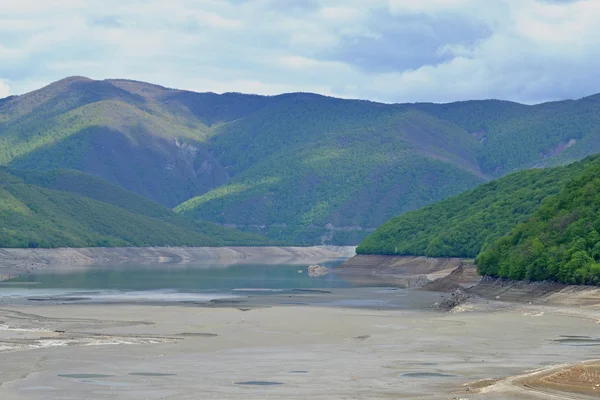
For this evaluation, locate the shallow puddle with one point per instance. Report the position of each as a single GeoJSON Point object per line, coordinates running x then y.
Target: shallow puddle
{"type": "Point", "coordinates": [427, 375]}
{"type": "Point", "coordinates": [579, 341]}
{"type": "Point", "coordinates": [150, 374]}
{"type": "Point", "coordinates": [84, 376]}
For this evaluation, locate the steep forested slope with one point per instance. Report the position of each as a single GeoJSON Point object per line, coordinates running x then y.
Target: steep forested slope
{"type": "Point", "coordinates": [301, 167]}
{"type": "Point", "coordinates": [560, 241]}
{"type": "Point", "coordinates": [355, 174]}
{"type": "Point", "coordinates": [516, 136]}
{"type": "Point", "coordinates": [71, 209]}
{"type": "Point", "coordinates": [463, 225]}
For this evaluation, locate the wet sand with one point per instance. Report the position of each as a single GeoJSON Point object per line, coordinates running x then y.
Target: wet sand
{"type": "Point", "coordinates": [318, 345]}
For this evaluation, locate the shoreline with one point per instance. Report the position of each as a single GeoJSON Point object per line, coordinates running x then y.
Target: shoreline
{"type": "Point", "coordinates": [447, 275]}
{"type": "Point", "coordinates": [15, 262]}
{"type": "Point", "coordinates": [177, 349]}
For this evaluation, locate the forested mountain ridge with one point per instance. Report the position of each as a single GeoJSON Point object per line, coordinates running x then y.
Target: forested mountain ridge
{"type": "Point", "coordinates": [534, 225]}
{"type": "Point", "coordinates": [560, 241]}
{"type": "Point", "coordinates": [63, 208]}
{"type": "Point", "coordinates": [462, 226]}
{"type": "Point", "coordinates": [299, 167]}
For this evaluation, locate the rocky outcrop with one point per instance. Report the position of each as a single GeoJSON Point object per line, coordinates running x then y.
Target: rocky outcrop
{"type": "Point", "coordinates": [315, 271]}
{"type": "Point", "coordinates": [456, 298]}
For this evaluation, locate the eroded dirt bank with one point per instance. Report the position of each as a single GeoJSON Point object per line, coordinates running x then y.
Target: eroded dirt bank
{"type": "Point", "coordinates": [15, 262]}
{"type": "Point", "coordinates": [450, 274]}
{"type": "Point", "coordinates": [408, 271]}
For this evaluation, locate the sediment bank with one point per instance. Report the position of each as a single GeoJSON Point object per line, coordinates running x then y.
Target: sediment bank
{"type": "Point", "coordinates": [450, 274]}
{"type": "Point", "coordinates": [401, 271]}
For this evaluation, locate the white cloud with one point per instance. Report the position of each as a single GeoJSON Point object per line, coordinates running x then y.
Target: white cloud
{"type": "Point", "coordinates": [434, 6]}
{"type": "Point", "coordinates": [523, 50]}
{"type": "Point", "coordinates": [215, 20]}
{"type": "Point", "coordinates": [340, 13]}
{"type": "Point", "coordinates": [304, 63]}
{"type": "Point", "coordinates": [4, 89]}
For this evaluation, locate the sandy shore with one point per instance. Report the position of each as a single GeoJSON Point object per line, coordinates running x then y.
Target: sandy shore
{"type": "Point", "coordinates": [14, 262]}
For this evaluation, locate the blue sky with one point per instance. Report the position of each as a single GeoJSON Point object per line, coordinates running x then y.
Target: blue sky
{"type": "Point", "coordinates": [384, 50]}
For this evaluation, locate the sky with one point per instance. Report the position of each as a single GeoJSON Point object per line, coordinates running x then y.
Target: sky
{"type": "Point", "coordinates": [528, 51]}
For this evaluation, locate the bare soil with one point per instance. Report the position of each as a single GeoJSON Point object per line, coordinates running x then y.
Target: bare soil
{"type": "Point", "coordinates": [580, 379]}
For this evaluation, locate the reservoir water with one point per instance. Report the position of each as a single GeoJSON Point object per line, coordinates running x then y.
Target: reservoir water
{"type": "Point", "coordinates": [166, 282]}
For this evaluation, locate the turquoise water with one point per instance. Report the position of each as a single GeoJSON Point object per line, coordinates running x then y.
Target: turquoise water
{"type": "Point", "coordinates": [167, 282]}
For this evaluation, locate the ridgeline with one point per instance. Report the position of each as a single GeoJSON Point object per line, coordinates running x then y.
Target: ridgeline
{"type": "Point", "coordinates": [298, 167]}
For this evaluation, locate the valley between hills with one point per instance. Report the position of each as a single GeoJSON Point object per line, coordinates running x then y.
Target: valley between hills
{"type": "Point", "coordinates": [454, 210]}
{"type": "Point", "coordinates": [296, 168]}
{"type": "Point", "coordinates": [118, 163]}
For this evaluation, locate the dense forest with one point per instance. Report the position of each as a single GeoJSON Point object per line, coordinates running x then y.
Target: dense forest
{"type": "Point", "coordinates": [560, 241]}
{"type": "Point", "coordinates": [535, 225]}
{"type": "Point", "coordinates": [463, 225]}
{"type": "Point", "coordinates": [71, 209]}
{"type": "Point", "coordinates": [297, 167]}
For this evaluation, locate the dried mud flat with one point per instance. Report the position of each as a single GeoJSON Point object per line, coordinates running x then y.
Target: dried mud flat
{"type": "Point", "coordinates": [361, 343]}
{"type": "Point", "coordinates": [295, 348]}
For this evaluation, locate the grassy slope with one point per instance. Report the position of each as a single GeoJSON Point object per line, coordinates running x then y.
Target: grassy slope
{"type": "Point", "coordinates": [462, 226]}
{"type": "Point", "coordinates": [560, 241]}
{"type": "Point", "coordinates": [70, 209]}
{"type": "Point", "coordinates": [305, 167]}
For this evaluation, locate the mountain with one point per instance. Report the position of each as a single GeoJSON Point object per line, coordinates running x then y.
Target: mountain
{"type": "Point", "coordinates": [463, 225]}
{"type": "Point", "coordinates": [534, 224]}
{"type": "Point", "coordinates": [559, 242]}
{"type": "Point", "coordinates": [297, 167]}
{"type": "Point", "coordinates": [65, 208]}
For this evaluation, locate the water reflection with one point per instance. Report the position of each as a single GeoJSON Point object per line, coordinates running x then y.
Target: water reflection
{"type": "Point", "coordinates": [178, 278]}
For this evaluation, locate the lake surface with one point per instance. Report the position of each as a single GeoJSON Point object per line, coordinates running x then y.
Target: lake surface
{"type": "Point", "coordinates": [167, 282]}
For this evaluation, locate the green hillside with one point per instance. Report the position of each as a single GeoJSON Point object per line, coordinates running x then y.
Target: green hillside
{"type": "Point", "coordinates": [93, 187]}
{"type": "Point", "coordinates": [560, 241]}
{"type": "Point", "coordinates": [297, 167]}
{"type": "Point", "coordinates": [70, 209]}
{"type": "Point", "coordinates": [517, 136]}
{"type": "Point", "coordinates": [297, 185]}
{"type": "Point", "coordinates": [463, 225]}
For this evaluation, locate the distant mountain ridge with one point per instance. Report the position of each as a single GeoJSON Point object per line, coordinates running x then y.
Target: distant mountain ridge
{"type": "Point", "coordinates": [298, 167]}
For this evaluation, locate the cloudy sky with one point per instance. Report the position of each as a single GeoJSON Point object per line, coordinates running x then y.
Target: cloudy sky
{"type": "Point", "coordinates": [384, 50]}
